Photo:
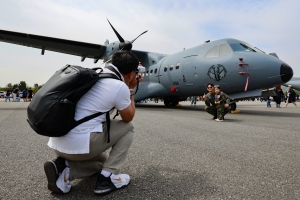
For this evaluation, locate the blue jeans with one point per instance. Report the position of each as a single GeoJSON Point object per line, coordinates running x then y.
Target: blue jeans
{"type": "Point", "coordinates": [268, 103]}
{"type": "Point", "coordinates": [7, 98]}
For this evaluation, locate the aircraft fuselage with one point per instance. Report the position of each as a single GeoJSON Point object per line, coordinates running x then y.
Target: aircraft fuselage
{"type": "Point", "coordinates": [232, 64]}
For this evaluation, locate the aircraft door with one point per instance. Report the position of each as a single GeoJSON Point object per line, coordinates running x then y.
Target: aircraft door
{"type": "Point", "coordinates": [189, 71]}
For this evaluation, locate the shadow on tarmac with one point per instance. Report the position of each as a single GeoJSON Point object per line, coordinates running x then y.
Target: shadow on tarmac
{"type": "Point", "coordinates": [245, 110]}
{"type": "Point", "coordinates": [155, 183]}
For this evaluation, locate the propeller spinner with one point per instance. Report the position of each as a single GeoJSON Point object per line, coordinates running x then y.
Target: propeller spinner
{"type": "Point", "coordinates": [124, 44]}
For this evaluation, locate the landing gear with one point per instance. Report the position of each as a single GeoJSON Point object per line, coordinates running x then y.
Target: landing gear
{"type": "Point", "coordinates": [173, 101]}
{"type": "Point", "coordinates": [233, 106]}
{"type": "Point", "coordinates": [166, 102]}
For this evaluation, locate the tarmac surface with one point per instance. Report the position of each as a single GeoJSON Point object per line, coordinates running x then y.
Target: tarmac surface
{"type": "Point", "coordinates": [178, 153]}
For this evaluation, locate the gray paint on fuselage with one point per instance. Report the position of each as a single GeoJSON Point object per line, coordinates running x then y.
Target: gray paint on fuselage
{"type": "Point", "coordinates": [264, 71]}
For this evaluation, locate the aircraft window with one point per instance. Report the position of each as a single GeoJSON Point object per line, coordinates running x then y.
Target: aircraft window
{"type": "Point", "coordinates": [177, 65]}
{"type": "Point", "coordinates": [171, 67]}
{"type": "Point", "coordinates": [241, 47]}
{"type": "Point", "coordinates": [155, 71]}
{"type": "Point", "coordinates": [166, 68]}
{"type": "Point", "coordinates": [151, 72]}
{"type": "Point", "coordinates": [213, 53]}
{"type": "Point", "coordinates": [147, 73]}
{"type": "Point", "coordinates": [224, 49]}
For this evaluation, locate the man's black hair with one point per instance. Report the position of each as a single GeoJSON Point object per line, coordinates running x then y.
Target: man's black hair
{"type": "Point", "coordinates": [125, 61]}
{"type": "Point", "coordinates": [212, 85]}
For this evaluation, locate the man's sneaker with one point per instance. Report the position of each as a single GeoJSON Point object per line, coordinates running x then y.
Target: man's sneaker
{"type": "Point", "coordinates": [219, 120]}
{"type": "Point", "coordinates": [105, 185]}
{"type": "Point", "coordinates": [55, 169]}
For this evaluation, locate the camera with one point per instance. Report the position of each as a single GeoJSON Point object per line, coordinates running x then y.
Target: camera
{"type": "Point", "coordinates": [140, 70]}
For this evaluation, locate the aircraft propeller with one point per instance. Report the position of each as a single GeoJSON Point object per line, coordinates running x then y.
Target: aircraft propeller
{"type": "Point", "coordinates": [124, 44]}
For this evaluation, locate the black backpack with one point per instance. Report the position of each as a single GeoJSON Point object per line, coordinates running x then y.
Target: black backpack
{"type": "Point", "coordinates": [52, 109]}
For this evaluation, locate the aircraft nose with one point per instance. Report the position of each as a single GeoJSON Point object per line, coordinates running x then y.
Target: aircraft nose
{"type": "Point", "coordinates": [286, 73]}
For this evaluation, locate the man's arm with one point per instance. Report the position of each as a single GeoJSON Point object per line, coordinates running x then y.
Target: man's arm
{"type": "Point", "coordinates": [128, 113]}
{"type": "Point", "coordinates": [206, 99]}
{"type": "Point", "coordinates": [227, 99]}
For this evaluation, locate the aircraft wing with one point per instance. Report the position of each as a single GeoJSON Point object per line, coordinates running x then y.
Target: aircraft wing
{"type": "Point", "coordinates": [85, 50]}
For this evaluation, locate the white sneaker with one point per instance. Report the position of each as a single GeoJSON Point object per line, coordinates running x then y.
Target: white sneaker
{"type": "Point", "coordinates": [105, 185]}
{"type": "Point", "coordinates": [219, 120]}
{"type": "Point", "coordinates": [120, 180]}
{"type": "Point", "coordinates": [63, 181]}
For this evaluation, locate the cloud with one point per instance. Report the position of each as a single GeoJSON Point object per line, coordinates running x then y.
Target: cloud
{"type": "Point", "coordinates": [173, 25]}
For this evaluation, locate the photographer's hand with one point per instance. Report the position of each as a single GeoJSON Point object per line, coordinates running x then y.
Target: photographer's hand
{"type": "Point", "coordinates": [134, 82]}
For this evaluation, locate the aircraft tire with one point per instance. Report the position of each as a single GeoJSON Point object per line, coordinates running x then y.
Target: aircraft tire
{"type": "Point", "coordinates": [233, 106]}
{"type": "Point", "coordinates": [175, 102]}
{"type": "Point", "coordinates": [166, 102]}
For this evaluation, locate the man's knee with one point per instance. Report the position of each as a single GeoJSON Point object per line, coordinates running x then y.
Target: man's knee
{"type": "Point", "coordinates": [210, 109]}
{"type": "Point", "coordinates": [130, 126]}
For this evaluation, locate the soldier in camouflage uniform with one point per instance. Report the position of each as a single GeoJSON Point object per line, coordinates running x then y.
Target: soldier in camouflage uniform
{"type": "Point", "coordinates": [209, 99]}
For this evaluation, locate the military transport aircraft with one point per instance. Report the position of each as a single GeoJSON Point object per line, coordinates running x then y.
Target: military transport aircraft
{"type": "Point", "coordinates": [240, 69]}
{"type": "Point", "coordinates": [295, 82]}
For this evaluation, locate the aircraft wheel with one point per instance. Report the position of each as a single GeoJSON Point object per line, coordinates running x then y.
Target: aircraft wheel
{"type": "Point", "coordinates": [233, 106]}
{"type": "Point", "coordinates": [175, 102]}
{"type": "Point", "coordinates": [166, 102]}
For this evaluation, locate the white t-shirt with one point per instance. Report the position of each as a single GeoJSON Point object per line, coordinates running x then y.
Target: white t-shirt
{"type": "Point", "coordinates": [102, 97]}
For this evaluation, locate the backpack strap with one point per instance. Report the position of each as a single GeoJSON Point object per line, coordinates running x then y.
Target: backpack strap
{"type": "Point", "coordinates": [115, 71]}
{"type": "Point", "coordinates": [87, 118]}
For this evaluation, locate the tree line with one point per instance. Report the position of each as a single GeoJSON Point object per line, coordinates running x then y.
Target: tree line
{"type": "Point", "coordinates": [22, 85]}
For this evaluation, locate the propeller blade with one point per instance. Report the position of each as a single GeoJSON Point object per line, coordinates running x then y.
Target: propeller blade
{"type": "Point", "coordinates": [139, 36]}
{"type": "Point", "coordinates": [116, 32]}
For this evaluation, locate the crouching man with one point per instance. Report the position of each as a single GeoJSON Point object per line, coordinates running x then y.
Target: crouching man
{"type": "Point", "coordinates": [81, 153]}
{"type": "Point", "coordinates": [209, 99]}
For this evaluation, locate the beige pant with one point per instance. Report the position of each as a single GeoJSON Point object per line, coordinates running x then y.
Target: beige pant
{"type": "Point", "coordinates": [84, 165]}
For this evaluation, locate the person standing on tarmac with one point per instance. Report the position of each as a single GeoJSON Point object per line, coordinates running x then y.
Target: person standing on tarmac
{"type": "Point", "coordinates": [291, 96]}
{"type": "Point", "coordinates": [8, 92]}
{"type": "Point", "coordinates": [209, 100]}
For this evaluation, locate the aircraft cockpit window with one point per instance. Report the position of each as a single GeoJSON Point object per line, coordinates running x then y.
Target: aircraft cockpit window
{"type": "Point", "coordinates": [224, 49]}
{"type": "Point", "coordinates": [171, 67]}
{"type": "Point", "coordinates": [151, 72]}
{"type": "Point", "coordinates": [241, 47]}
{"type": "Point", "coordinates": [155, 71]}
{"type": "Point", "coordinates": [213, 53]}
{"type": "Point", "coordinates": [166, 68]}
{"type": "Point", "coordinates": [177, 65]}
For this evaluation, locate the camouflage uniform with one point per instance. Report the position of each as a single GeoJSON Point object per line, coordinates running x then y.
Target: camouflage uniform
{"type": "Point", "coordinates": [211, 107]}
{"type": "Point", "coordinates": [220, 107]}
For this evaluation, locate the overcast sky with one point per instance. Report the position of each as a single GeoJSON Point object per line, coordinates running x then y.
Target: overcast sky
{"type": "Point", "coordinates": [271, 25]}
